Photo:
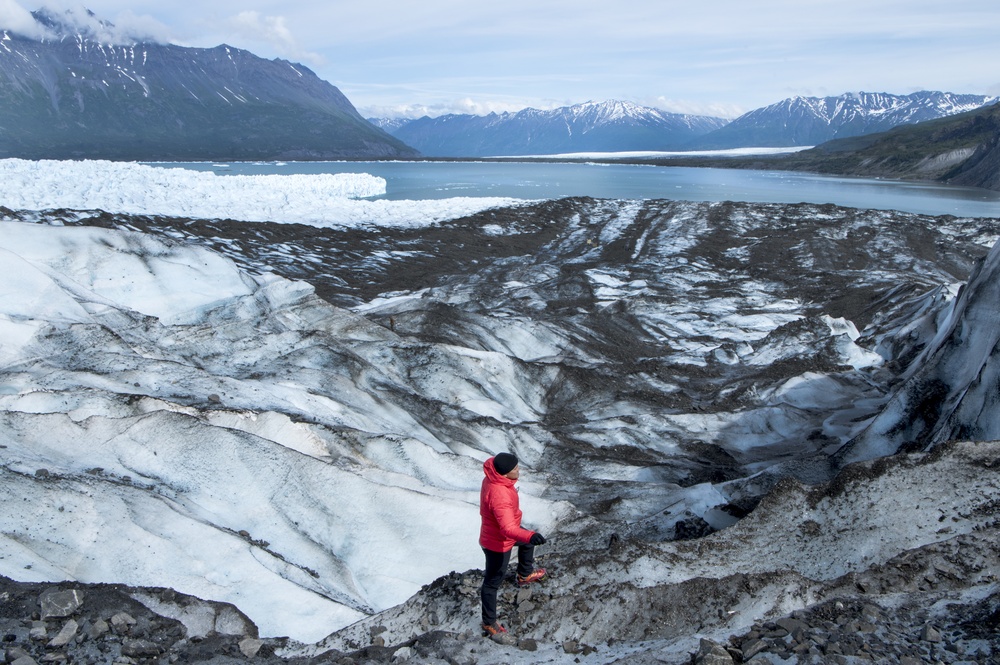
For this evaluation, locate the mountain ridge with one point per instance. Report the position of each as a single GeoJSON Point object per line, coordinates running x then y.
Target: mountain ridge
{"type": "Point", "coordinates": [795, 121]}
{"type": "Point", "coordinates": [808, 121]}
{"type": "Point", "coordinates": [85, 89]}
{"type": "Point", "coordinates": [73, 97]}
{"type": "Point", "coordinates": [591, 126]}
{"type": "Point", "coordinates": [963, 149]}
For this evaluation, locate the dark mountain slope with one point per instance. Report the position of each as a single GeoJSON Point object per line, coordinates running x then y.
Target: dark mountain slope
{"type": "Point", "coordinates": [76, 97]}
{"type": "Point", "coordinates": [960, 149]}
{"type": "Point", "coordinates": [963, 149]}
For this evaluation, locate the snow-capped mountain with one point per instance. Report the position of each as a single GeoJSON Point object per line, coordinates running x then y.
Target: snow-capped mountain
{"type": "Point", "coordinates": [806, 121]}
{"type": "Point", "coordinates": [623, 127]}
{"type": "Point", "coordinates": [181, 409]}
{"type": "Point", "coordinates": [602, 127]}
{"type": "Point", "coordinates": [389, 124]}
{"type": "Point", "coordinates": [84, 90]}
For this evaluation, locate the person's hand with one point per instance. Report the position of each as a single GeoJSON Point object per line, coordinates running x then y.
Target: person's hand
{"type": "Point", "coordinates": [536, 539]}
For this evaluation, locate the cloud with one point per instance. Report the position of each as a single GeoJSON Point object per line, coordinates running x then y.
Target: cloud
{"type": "Point", "coordinates": [142, 28]}
{"type": "Point", "coordinates": [467, 105]}
{"type": "Point", "coordinates": [271, 30]}
{"type": "Point", "coordinates": [462, 106]}
{"type": "Point", "coordinates": [718, 59]}
{"type": "Point", "coordinates": [688, 107]}
{"type": "Point", "coordinates": [15, 18]}
{"type": "Point", "coordinates": [485, 107]}
{"type": "Point", "coordinates": [126, 28]}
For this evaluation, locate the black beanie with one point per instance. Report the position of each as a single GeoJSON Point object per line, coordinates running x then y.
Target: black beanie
{"type": "Point", "coordinates": [504, 463]}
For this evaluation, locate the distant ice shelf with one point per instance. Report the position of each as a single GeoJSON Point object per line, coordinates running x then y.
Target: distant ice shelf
{"type": "Point", "coordinates": [324, 200]}
{"type": "Point", "coordinates": [655, 154]}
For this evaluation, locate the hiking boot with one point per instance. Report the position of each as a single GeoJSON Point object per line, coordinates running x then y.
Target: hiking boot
{"type": "Point", "coordinates": [491, 629]}
{"type": "Point", "coordinates": [534, 576]}
{"type": "Point", "coordinates": [498, 634]}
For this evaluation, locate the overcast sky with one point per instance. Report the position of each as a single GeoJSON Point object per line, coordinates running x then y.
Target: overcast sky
{"type": "Point", "coordinates": [711, 57]}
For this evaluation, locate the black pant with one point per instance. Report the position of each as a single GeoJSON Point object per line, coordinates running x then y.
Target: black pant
{"type": "Point", "coordinates": [496, 569]}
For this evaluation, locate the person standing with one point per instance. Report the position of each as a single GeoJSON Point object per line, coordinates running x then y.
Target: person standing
{"type": "Point", "coordinates": [500, 531]}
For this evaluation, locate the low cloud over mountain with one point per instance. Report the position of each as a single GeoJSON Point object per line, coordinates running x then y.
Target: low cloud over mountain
{"type": "Point", "coordinates": [77, 87]}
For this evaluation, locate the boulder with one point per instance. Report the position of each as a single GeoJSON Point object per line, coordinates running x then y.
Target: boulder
{"type": "Point", "coordinates": [930, 634]}
{"type": "Point", "coordinates": [710, 653]}
{"type": "Point", "coordinates": [250, 646]}
{"type": "Point", "coordinates": [122, 621]}
{"type": "Point", "coordinates": [67, 633]}
{"type": "Point", "coordinates": [752, 647]}
{"type": "Point", "coordinates": [140, 648]}
{"type": "Point", "coordinates": [57, 603]}
{"type": "Point", "coordinates": [97, 629]}
{"type": "Point", "coordinates": [38, 631]}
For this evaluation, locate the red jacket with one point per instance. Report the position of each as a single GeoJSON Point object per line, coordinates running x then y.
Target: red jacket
{"type": "Point", "coordinates": [501, 513]}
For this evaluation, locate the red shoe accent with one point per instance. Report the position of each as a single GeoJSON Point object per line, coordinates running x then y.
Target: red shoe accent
{"type": "Point", "coordinates": [536, 574]}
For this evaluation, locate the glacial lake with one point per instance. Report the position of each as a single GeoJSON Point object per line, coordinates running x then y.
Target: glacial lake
{"type": "Point", "coordinates": [534, 180]}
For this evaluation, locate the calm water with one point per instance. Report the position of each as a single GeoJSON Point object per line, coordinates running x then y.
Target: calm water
{"type": "Point", "coordinates": [527, 180]}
